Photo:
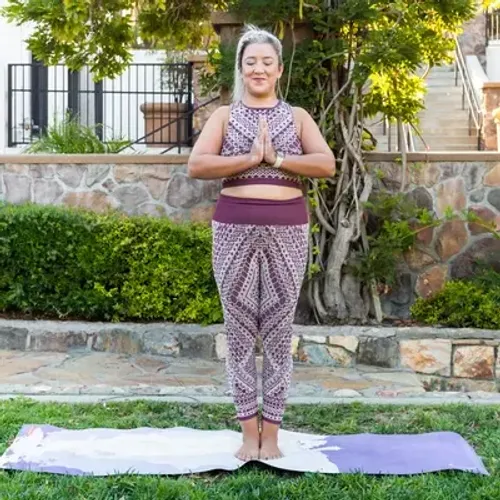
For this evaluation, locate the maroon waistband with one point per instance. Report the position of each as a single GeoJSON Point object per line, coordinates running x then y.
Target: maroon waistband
{"type": "Point", "coordinates": [261, 212]}
{"type": "Point", "coordinates": [262, 180]}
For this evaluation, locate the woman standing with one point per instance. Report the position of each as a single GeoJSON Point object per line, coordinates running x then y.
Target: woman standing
{"type": "Point", "coordinates": [260, 146]}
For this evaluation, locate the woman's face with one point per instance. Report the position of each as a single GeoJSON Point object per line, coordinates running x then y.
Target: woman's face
{"type": "Point", "coordinates": [260, 69]}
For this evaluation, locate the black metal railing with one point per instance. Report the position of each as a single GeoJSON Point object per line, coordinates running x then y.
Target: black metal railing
{"type": "Point", "coordinates": [399, 135]}
{"type": "Point", "coordinates": [492, 25]}
{"type": "Point", "coordinates": [469, 95]}
{"type": "Point", "coordinates": [176, 124]}
{"type": "Point", "coordinates": [137, 106]}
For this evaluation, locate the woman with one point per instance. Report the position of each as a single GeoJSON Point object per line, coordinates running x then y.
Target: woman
{"type": "Point", "coordinates": [260, 146]}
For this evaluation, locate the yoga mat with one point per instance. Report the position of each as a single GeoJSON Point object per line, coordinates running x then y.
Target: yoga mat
{"type": "Point", "coordinates": [180, 450]}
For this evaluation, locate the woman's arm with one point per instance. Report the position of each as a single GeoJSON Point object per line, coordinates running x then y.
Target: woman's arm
{"type": "Point", "coordinates": [318, 159]}
{"type": "Point", "coordinates": [205, 161]}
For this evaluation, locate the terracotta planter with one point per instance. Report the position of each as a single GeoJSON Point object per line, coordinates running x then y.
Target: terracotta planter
{"type": "Point", "coordinates": [170, 120]}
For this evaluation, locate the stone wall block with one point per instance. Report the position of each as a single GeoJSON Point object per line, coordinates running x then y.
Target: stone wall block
{"type": "Point", "coordinates": [130, 197]}
{"type": "Point", "coordinates": [95, 174]}
{"type": "Point", "coordinates": [184, 192]}
{"type": "Point", "coordinates": [452, 237]}
{"type": "Point", "coordinates": [451, 194]}
{"type": "Point", "coordinates": [383, 351]}
{"type": "Point", "coordinates": [494, 198]}
{"type": "Point", "coordinates": [425, 175]}
{"type": "Point", "coordinates": [71, 175]}
{"type": "Point", "coordinates": [97, 201]}
{"type": "Point", "coordinates": [492, 178]}
{"type": "Point", "coordinates": [47, 192]}
{"type": "Point", "coordinates": [474, 362]}
{"type": "Point", "coordinates": [432, 281]}
{"type": "Point", "coordinates": [485, 214]}
{"type": "Point", "coordinates": [429, 356]}
{"type": "Point", "coordinates": [17, 188]}
{"type": "Point", "coordinates": [127, 173]}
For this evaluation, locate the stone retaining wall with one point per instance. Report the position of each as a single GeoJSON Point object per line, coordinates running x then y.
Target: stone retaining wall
{"type": "Point", "coordinates": [135, 184]}
{"type": "Point", "coordinates": [461, 181]}
{"type": "Point", "coordinates": [445, 353]}
{"type": "Point", "coordinates": [159, 185]}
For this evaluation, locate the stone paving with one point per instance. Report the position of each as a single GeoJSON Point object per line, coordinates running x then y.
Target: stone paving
{"type": "Point", "coordinates": [81, 373]}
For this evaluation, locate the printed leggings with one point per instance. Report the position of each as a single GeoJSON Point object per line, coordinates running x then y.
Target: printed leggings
{"type": "Point", "coordinates": [259, 268]}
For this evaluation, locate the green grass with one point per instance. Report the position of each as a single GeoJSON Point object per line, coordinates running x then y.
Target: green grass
{"type": "Point", "coordinates": [479, 425]}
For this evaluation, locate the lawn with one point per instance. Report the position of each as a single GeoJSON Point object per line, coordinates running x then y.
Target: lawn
{"type": "Point", "coordinates": [479, 425]}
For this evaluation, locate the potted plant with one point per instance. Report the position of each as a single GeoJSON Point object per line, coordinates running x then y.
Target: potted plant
{"type": "Point", "coordinates": [168, 122]}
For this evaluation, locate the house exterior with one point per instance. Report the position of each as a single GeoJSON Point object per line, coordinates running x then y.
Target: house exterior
{"type": "Point", "coordinates": [34, 96]}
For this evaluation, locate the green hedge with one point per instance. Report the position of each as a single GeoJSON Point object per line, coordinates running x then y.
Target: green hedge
{"type": "Point", "coordinates": [474, 304]}
{"type": "Point", "coordinates": [111, 267]}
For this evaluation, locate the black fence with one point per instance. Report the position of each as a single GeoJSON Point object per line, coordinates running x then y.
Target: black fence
{"type": "Point", "coordinates": [492, 25]}
{"type": "Point", "coordinates": [149, 104]}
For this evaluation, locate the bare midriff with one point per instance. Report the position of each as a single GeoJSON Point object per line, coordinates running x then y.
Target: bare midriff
{"type": "Point", "coordinates": [263, 191]}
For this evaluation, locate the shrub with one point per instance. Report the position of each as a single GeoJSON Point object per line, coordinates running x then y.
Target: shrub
{"type": "Point", "coordinates": [71, 137]}
{"type": "Point", "coordinates": [463, 303]}
{"type": "Point", "coordinates": [73, 263]}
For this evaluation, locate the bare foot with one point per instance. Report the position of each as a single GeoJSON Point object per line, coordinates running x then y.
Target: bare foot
{"type": "Point", "coordinates": [251, 440]}
{"type": "Point", "coordinates": [249, 450]}
{"type": "Point", "coordinates": [269, 449]}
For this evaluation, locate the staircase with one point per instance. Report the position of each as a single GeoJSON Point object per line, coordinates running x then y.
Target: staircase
{"type": "Point", "coordinates": [443, 123]}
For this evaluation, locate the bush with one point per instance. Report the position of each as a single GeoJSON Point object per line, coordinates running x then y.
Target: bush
{"type": "Point", "coordinates": [73, 263]}
{"type": "Point", "coordinates": [460, 304]}
{"type": "Point", "coordinates": [71, 137]}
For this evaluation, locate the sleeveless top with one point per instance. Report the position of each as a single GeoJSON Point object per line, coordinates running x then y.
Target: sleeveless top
{"type": "Point", "coordinates": [241, 132]}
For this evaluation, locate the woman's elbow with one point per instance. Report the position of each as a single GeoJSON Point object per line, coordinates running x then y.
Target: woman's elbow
{"type": "Point", "coordinates": [193, 168]}
{"type": "Point", "coordinates": [330, 167]}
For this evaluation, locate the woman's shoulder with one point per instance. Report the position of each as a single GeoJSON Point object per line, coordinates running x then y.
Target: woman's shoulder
{"type": "Point", "coordinates": [222, 111]}
{"type": "Point", "coordinates": [299, 112]}
{"type": "Point", "coordinates": [300, 116]}
{"type": "Point", "coordinates": [221, 114]}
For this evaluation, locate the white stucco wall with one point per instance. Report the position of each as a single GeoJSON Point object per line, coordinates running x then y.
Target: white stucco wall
{"type": "Point", "coordinates": [12, 49]}
{"type": "Point", "coordinates": [493, 61]}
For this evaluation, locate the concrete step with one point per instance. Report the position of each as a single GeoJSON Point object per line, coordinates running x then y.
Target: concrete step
{"type": "Point", "coordinates": [443, 68]}
{"type": "Point", "coordinates": [451, 93]}
{"type": "Point", "coordinates": [444, 98]}
{"type": "Point", "coordinates": [434, 144]}
{"type": "Point", "coordinates": [436, 117]}
{"type": "Point", "coordinates": [448, 147]}
{"type": "Point", "coordinates": [454, 135]}
{"type": "Point", "coordinates": [440, 83]}
{"type": "Point", "coordinates": [419, 147]}
{"type": "Point", "coordinates": [438, 135]}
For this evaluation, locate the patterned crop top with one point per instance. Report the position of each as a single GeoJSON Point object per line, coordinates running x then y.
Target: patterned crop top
{"type": "Point", "coordinates": [241, 132]}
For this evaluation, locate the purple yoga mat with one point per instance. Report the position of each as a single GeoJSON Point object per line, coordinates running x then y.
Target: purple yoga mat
{"type": "Point", "coordinates": [180, 450]}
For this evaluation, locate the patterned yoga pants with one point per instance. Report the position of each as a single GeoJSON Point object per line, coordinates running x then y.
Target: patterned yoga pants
{"type": "Point", "coordinates": [259, 259]}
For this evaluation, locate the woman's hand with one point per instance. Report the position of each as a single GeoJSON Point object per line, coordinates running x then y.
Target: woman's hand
{"type": "Point", "coordinates": [257, 151]}
{"type": "Point", "coordinates": [269, 152]}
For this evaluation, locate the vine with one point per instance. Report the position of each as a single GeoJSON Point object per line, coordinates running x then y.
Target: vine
{"type": "Point", "coordinates": [362, 58]}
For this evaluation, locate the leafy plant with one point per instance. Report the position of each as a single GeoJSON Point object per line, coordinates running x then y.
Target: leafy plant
{"type": "Point", "coordinates": [72, 263]}
{"type": "Point", "coordinates": [393, 223]}
{"type": "Point", "coordinates": [71, 137]}
{"type": "Point", "coordinates": [461, 304]}
{"type": "Point", "coordinates": [101, 35]}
